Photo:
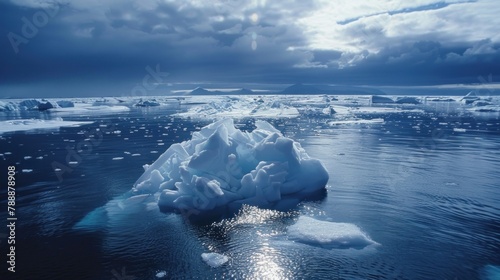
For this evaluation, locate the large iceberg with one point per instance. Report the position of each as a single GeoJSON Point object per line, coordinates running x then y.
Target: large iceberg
{"type": "Point", "coordinates": [222, 168]}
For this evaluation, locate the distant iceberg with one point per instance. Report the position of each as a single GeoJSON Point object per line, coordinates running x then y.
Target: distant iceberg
{"type": "Point", "coordinates": [408, 100]}
{"type": "Point", "coordinates": [147, 103]}
{"type": "Point", "coordinates": [65, 104]}
{"type": "Point", "coordinates": [8, 106]}
{"type": "Point", "coordinates": [222, 168]}
{"type": "Point", "coordinates": [376, 99]}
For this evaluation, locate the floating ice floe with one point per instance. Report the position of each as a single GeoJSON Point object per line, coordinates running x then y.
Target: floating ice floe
{"type": "Point", "coordinates": [214, 259]}
{"type": "Point", "coordinates": [328, 235]}
{"type": "Point", "coordinates": [85, 109]}
{"type": "Point", "coordinates": [357, 121]}
{"type": "Point", "coordinates": [326, 112]}
{"type": "Point", "coordinates": [222, 168]}
{"type": "Point", "coordinates": [31, 124]}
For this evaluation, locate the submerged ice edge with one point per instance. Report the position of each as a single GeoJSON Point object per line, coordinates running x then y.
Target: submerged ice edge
{"type": "Point", "coordinates": [222, 168]}
{"type": "Point", "coordinates": [329, 235]}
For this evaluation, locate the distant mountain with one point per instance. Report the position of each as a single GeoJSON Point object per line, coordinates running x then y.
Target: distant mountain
{"type": "Point", "coordinates": [325, 89]}
{"type": "Point", "coordinates": [242, 91]}
{"type": "Point", "coordinates": [202, 91]}
{"type": "Point", "coordinates": [301, 89]}
{"type": "Point", "coordinates": [297, 89]}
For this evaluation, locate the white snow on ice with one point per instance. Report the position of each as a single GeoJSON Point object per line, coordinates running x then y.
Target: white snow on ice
{"type": "Point", "coordinates": [329, 235]}
{"type": "Point", "coordinates": [214, 259]}
{"type": "Point", "coordinates": [31, 124]}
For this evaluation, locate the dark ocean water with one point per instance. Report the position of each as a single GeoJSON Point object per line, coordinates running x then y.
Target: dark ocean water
{"type": "Point", "coordinates": [425, 186]}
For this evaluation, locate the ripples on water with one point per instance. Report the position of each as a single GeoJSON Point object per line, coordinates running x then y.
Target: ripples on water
{"type": "Point", "coordinates": [425, 190]}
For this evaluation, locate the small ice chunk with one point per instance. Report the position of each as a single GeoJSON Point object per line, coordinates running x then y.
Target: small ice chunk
{"type": "Point", "coordinates": [459, 129]}
{"type": "Point", "coordinates": [328, 234]}
{"type": "Point", "coordinates": [27, 170]}
{"type": "Point", "coordinates": [117, 158]}
{"type": "Point", "coordinates": [161, 274]}
{"type": "Point", "coordinates": [27, 157]}
{"type": "Point", "coordinates": [136, 155]}
{"type": "Point", "coordinates": [214, 259]}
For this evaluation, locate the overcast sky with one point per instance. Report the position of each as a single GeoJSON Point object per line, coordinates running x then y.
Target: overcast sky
{"type": "Point", "coordinates": [106, 47]}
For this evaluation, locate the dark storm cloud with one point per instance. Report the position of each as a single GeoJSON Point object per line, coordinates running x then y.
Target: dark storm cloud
{"type": "Point", "coordinates": [108, 44]}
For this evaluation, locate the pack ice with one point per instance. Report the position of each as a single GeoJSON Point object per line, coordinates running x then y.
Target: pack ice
{"type": "Point", "coordinates": [222, 168]}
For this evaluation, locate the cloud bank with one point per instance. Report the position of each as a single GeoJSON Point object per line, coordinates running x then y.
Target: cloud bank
{"type": "Point", "coordinates": [104, 46]}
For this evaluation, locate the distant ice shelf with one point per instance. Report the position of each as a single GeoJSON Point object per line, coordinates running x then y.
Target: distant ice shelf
{"type": "Point", "coordinates": [32, 124]}
{"type": "Point", "coordinates": [242, 106]}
